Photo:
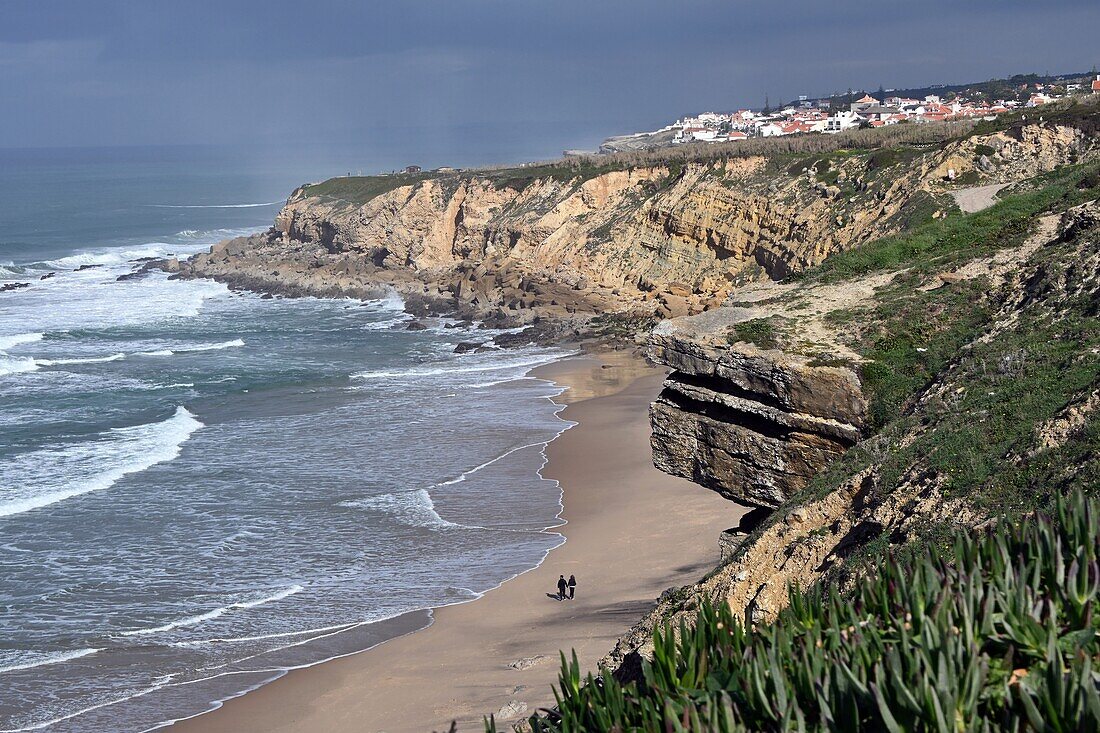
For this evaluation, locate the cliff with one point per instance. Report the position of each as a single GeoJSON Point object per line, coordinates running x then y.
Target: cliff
{"type": "Point", "coordinates": [589, 236]}
{"type": "Point", "coordinates": [952, 386]}
{"type": "Point", "coordinates": [875, 346]}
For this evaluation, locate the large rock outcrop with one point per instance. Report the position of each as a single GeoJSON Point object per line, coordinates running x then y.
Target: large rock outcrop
{"type": "Point", "coordinates": [753, 424]}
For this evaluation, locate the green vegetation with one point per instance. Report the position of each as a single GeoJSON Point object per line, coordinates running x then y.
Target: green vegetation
{"type": "Point", "coordinates": [361, 189]}
{"type": "Point", "coordinates": [943, 242]}
{"type": "Point", "coordinates": [1074, 112]}
{"type": "Point", "coordinates": [972, 632]}
{"type": "Point", "coordinates": [910, 338]}
{"type": "Point", "coordinates": [887, 157]}
{"type": "Point", "coordinates": [887, 146]}
{"type": "Point", "coordinates": [990, 393]}
{"type": "Point", "coordinates": [1000, 632]}
{"type": "Point", "coordinates": [760, 331]}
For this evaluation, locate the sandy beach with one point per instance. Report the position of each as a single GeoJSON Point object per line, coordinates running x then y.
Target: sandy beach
{"type": "Point", "coordinates": [631, 532]}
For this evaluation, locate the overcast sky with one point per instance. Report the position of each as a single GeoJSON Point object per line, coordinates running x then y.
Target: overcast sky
{"type": "Point", "coordinates": [457, 72]}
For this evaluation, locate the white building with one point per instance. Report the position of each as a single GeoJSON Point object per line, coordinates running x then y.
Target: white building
{"type": "Point", "coordinates": [841, 121]}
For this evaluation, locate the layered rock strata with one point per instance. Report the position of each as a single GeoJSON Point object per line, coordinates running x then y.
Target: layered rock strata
{"type": "Point", "coordinates": [755, 425]}
{"type": "Point", "coordinates": [667, 240]}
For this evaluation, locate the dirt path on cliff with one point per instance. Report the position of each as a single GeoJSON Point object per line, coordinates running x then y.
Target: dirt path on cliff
{"type": "Point", "coordinates": [632, 532]}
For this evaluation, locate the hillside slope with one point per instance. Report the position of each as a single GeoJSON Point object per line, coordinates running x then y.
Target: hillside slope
{"type": "Point", "coordinates": [958, 382]}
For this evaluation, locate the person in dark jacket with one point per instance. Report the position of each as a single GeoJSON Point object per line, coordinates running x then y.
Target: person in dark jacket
{"type": "Point", "coordinates": [561, 587]}
{"type": "Point", "coordinates": [572, 586]}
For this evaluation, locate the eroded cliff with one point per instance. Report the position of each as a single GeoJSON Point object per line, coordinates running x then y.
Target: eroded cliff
{"type": "Point", "coordinates": [974, 374]}
{"type": "Point", "coordinates": [558, 241]}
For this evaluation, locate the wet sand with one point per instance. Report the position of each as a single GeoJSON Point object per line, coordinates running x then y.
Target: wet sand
{"type": "Point", "coordinates": [631, 532]}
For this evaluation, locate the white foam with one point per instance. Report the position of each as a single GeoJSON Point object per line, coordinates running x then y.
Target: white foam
{"type": "Point", "coordinates": [452, 368]}
{"type": "Point", "coordinates": [386, 325]}
{"type": "Point", "coordinates": [187, 350]}
{"type": "Point", "coordinates": [411, 507]}
{"type": "Point", "coordinates": [46, 476]}
{"type": "Point", "coordinates": [214, 235]}
{"type": "Point", "coordinates": [80, 360]}
{"type": "Point", "coordinates": [276, 635]}
{"type": "Point", "coordinates": [217, 612]}
{"type": "Point", "coordinates": [32, 659]}
{"type": "Point", "coordinates": [466, 474]}
{"type": "Point", "coordinates": [16, 365]}
{"type": "Point", "coordinates": [215, 206]}
{"type": "Point", "coordinates": [17, 339]}
{"type": "Point", "coordinates": [108, 256]}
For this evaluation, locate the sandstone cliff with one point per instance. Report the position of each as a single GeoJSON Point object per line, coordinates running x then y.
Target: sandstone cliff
{"type": "Point", "coordinates": [1006, 414]}
{"type": "Point", "coordinates": [554, 241]}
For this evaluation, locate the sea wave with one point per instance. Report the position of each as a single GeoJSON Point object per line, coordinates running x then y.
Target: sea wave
{"type": "Point", "coordinates": [454, 367]}
{"type": "Point", "coordinates": [47, 476]}
{"type": "Point", "coordinates": [16, 339]}
{"type": "Point", "coordinates": [190, 349]}
{"type": "Point", "coordinates": [80, 360]}
{"type": "Point", "coordinates": [413, 507]}
{"type": "Point", "coordinates": [466, 474]}
{"type": "Point", "coordinates": [16, 365]}
{"type": "Point", "coordinates": [110, 256]}
{"type": "Point", "coordinates": [32, 659]}
{"type": "Point", "coordinates": [217, 612]}
{"type": "Point", "coordinates": [10, 365]}
{"type": "Point", "coordinates": [210, 236]}
{"type": "Point", "coordinates": [216, 206]}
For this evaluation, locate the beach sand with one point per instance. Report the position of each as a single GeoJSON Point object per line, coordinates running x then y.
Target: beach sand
{"type": "Point", "coordinates": [631, 532]}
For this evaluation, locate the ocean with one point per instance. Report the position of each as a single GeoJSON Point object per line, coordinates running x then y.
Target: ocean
{"type": "Point", "coordinates": [202, 489]}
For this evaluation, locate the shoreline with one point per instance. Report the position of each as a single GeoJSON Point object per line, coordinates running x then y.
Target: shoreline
{"type": "Point", "coordinates": [450, 671]}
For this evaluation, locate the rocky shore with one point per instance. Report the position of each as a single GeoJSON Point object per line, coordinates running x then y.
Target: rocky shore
{"type": "Point", "coordinates": [604, 253]}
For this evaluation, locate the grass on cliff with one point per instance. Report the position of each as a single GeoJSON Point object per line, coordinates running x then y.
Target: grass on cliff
{"type": "Point", "coordinates": [762, 332]}
{"type": "Point", "coordinates": [999, 632]}
{"type": "Point", "coordinates": [945, 242]}
{"type": "Point", "coordinates": [359, 190]}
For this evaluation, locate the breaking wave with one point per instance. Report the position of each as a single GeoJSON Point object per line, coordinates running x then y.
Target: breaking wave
{"type": "Point", "coordinates": [17, 365]}
{"type": "Point", "coordinates": [191, 349]}
{"type": "Point", "coordinates": [414, 508]}
{"type": "Point", "coordinates": [454, 367]}
{"type": "Point", "coordinates": [30, 660]}
{"type": "Point", "coordinates": [217, 612]}
{"type": "Point", "coordinates": [9, 342]}
{"type": "Point", "coordinates": [47, 476]}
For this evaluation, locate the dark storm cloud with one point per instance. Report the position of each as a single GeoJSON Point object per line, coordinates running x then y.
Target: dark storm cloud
{"type": "Point", "coordinates": [80, 72]}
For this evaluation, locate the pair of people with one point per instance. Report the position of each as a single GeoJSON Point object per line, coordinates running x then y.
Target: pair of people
{"type": "Point", "coordinates": [564, 586]}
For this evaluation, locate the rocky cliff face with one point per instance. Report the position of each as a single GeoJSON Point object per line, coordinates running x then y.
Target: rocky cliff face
{"type": "Point", "coordinates": [753, 424]}
{"type": "Point", "coordinates": [1019, 398]}
{"type": "Point", "coordinates": [668, 240]}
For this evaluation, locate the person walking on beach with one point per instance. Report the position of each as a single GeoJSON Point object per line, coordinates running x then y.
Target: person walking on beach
{"type": "Point", "coordinates": [572, 586]}
{"type": "Point", "coordinates": [561, 587]}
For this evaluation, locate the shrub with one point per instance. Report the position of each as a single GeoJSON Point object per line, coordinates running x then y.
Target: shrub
{"type": "Point", "coordinates": [759, 331]}
{"type": "Point", "coordinates": [998, 633]}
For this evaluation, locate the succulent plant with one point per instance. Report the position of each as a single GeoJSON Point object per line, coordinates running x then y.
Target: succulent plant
{"type": "Point", "coordinates": [1000, 633]}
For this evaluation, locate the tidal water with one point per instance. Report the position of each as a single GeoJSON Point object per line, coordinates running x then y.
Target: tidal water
{"type": "Point", "coordinates": [201, 489]}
